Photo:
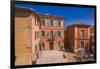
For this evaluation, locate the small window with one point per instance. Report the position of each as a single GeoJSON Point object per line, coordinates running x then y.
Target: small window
{"type": "Point", "coordinates": [59, 33]}
{"type": "Point", "coordinates": [82, 33]}
{"type": "Point", "coordinates": [43, 22]}
{"type": "Point", "coordinates": [56, 23]}
{"type": "Point", "coordinates": [43, 33]}
{"type": "Point", "coordinates": [82, 43]}
{"type": "Point", "coordinates": [51, 34]}
{"type": "Point", "coordinates": [59, 45]}
{"type": "Point", "coordinates": [59, 24]}
{"type": "Point", "coordinates": [50, 22]}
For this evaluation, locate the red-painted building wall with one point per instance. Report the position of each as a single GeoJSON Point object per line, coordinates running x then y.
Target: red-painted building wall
{"type": "Point", "coordinates": [51, 39]}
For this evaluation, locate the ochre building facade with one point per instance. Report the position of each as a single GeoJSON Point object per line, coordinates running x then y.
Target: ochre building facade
{"type": "Point", "coordinates": [27, 23]}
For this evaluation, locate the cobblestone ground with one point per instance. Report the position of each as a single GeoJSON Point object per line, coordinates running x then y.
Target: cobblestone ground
{"type": "Point", "coordinates": [53, 56]}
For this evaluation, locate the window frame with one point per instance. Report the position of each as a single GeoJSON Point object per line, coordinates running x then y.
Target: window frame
{"type": "Point", "coordinates": [42, 22]}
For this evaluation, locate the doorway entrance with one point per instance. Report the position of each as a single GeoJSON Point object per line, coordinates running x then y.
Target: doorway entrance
{"type": "Point", "coordinates": [51, 45]}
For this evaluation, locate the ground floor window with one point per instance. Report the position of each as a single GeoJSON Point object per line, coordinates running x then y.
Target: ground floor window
{"type": "Point", "coordinates": [59, 34]}
{"type": "Point", "coordinates": [59, 45]}
{"type": "Point", "coordinates": [43, 33]}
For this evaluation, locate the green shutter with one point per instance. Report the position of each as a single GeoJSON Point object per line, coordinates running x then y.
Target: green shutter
{"type": "Point", "coordinates": [59, 45]}
{"type": "Point", "coordinates": [61, 34]}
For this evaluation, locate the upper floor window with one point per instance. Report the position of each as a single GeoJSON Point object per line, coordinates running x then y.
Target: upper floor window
{"type": "Point", "coordinates": [43, 33]}
{"type": "Point", "coordinates": [82, 33]}
{"type": "Point", "coordinates": [51, 34]}
{"type": "Point", "coordinates": [59, 23]}
{"type": "Point", "coordinates": [55, 23]}
{"type": "Point", "coordinates": [50, 22]}
{"type": "Point", "coordinates": [43, 22]}
{"type": "Point", "coordinates": [82, 43]}
{"type": "Point", "coordinates": [59, 33]}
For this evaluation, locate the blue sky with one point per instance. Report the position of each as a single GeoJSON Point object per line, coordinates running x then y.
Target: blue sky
{"type": "Point", "coordinates": [72, 14]}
